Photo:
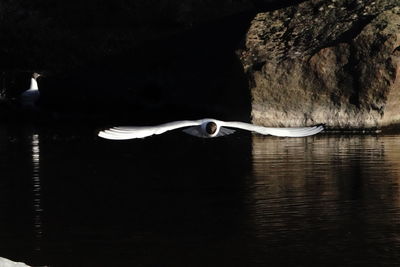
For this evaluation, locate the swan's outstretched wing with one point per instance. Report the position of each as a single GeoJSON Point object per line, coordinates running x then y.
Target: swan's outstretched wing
{"type": "Point", "coordinates": [284, 132]}
{"type": "Point", "coordinates": [131, 132]}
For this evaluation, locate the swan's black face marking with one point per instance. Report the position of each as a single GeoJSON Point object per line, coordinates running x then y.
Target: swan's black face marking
{"type": "Point", "coordinates": [211, 127]}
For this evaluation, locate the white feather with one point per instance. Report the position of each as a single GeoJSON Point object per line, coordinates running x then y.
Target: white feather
{"type": "Point", "coordinates": [283, 132]}
{"type": "Point", "coordinates": [123, 133]}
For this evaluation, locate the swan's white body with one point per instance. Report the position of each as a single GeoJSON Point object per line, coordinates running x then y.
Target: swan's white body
{"type": "Point", "coordinates": [199, 128]}
{"type": "Point", "coordinates": [31, 96]}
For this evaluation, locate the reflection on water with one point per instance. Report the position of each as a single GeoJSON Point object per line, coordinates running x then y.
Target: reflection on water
{"type": "Point", "coordinates": [37, 206]}
{"type": "Point", "coordinates": [327, 196]}
{"type": "Point", "coordinates": [67, 197]}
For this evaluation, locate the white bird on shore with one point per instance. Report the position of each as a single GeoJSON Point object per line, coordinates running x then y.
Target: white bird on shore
{"type": "Point", "coordinates": [8, 263]}
{"type": "Point", "coordinates": [30, 97]}
{"type": "Point", "coordinates": [205, 128]}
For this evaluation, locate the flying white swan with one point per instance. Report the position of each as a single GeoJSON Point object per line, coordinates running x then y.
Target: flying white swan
{"type": "Point", "coordinates": [31, 96]}
{"type": "Point", "coordinates": [206, 128]}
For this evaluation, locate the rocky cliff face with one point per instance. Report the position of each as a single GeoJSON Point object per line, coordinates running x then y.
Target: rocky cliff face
{"type": "Point", "coordinates": [335, 62]}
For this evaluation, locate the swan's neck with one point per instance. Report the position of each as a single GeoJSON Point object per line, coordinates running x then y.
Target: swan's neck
{"type": "Point", "coordinates": [34, 85]}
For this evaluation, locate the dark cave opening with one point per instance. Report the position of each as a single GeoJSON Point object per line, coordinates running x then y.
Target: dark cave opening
{"type": "Point", "coordinates": [193, 74]}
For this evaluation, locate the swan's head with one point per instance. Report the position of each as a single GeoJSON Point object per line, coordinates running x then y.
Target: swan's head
{"type": "Point", "coordinates": [36, 75]}
{"type": "Point", "coordinates": [211, 127]}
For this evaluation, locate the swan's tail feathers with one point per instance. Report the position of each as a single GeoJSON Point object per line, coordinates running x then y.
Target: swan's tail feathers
{"type": "Point", "coordinates": [195, 131]}
{"type": "Point", "coordinates": [225, 131]}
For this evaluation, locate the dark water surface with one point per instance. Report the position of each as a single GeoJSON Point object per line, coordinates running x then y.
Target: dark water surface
{"type": "Point", "coordinates": [68, 198]}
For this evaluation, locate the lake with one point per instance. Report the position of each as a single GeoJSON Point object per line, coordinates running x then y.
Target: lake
{"type": "Point", "coordinates": [69, 198]}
